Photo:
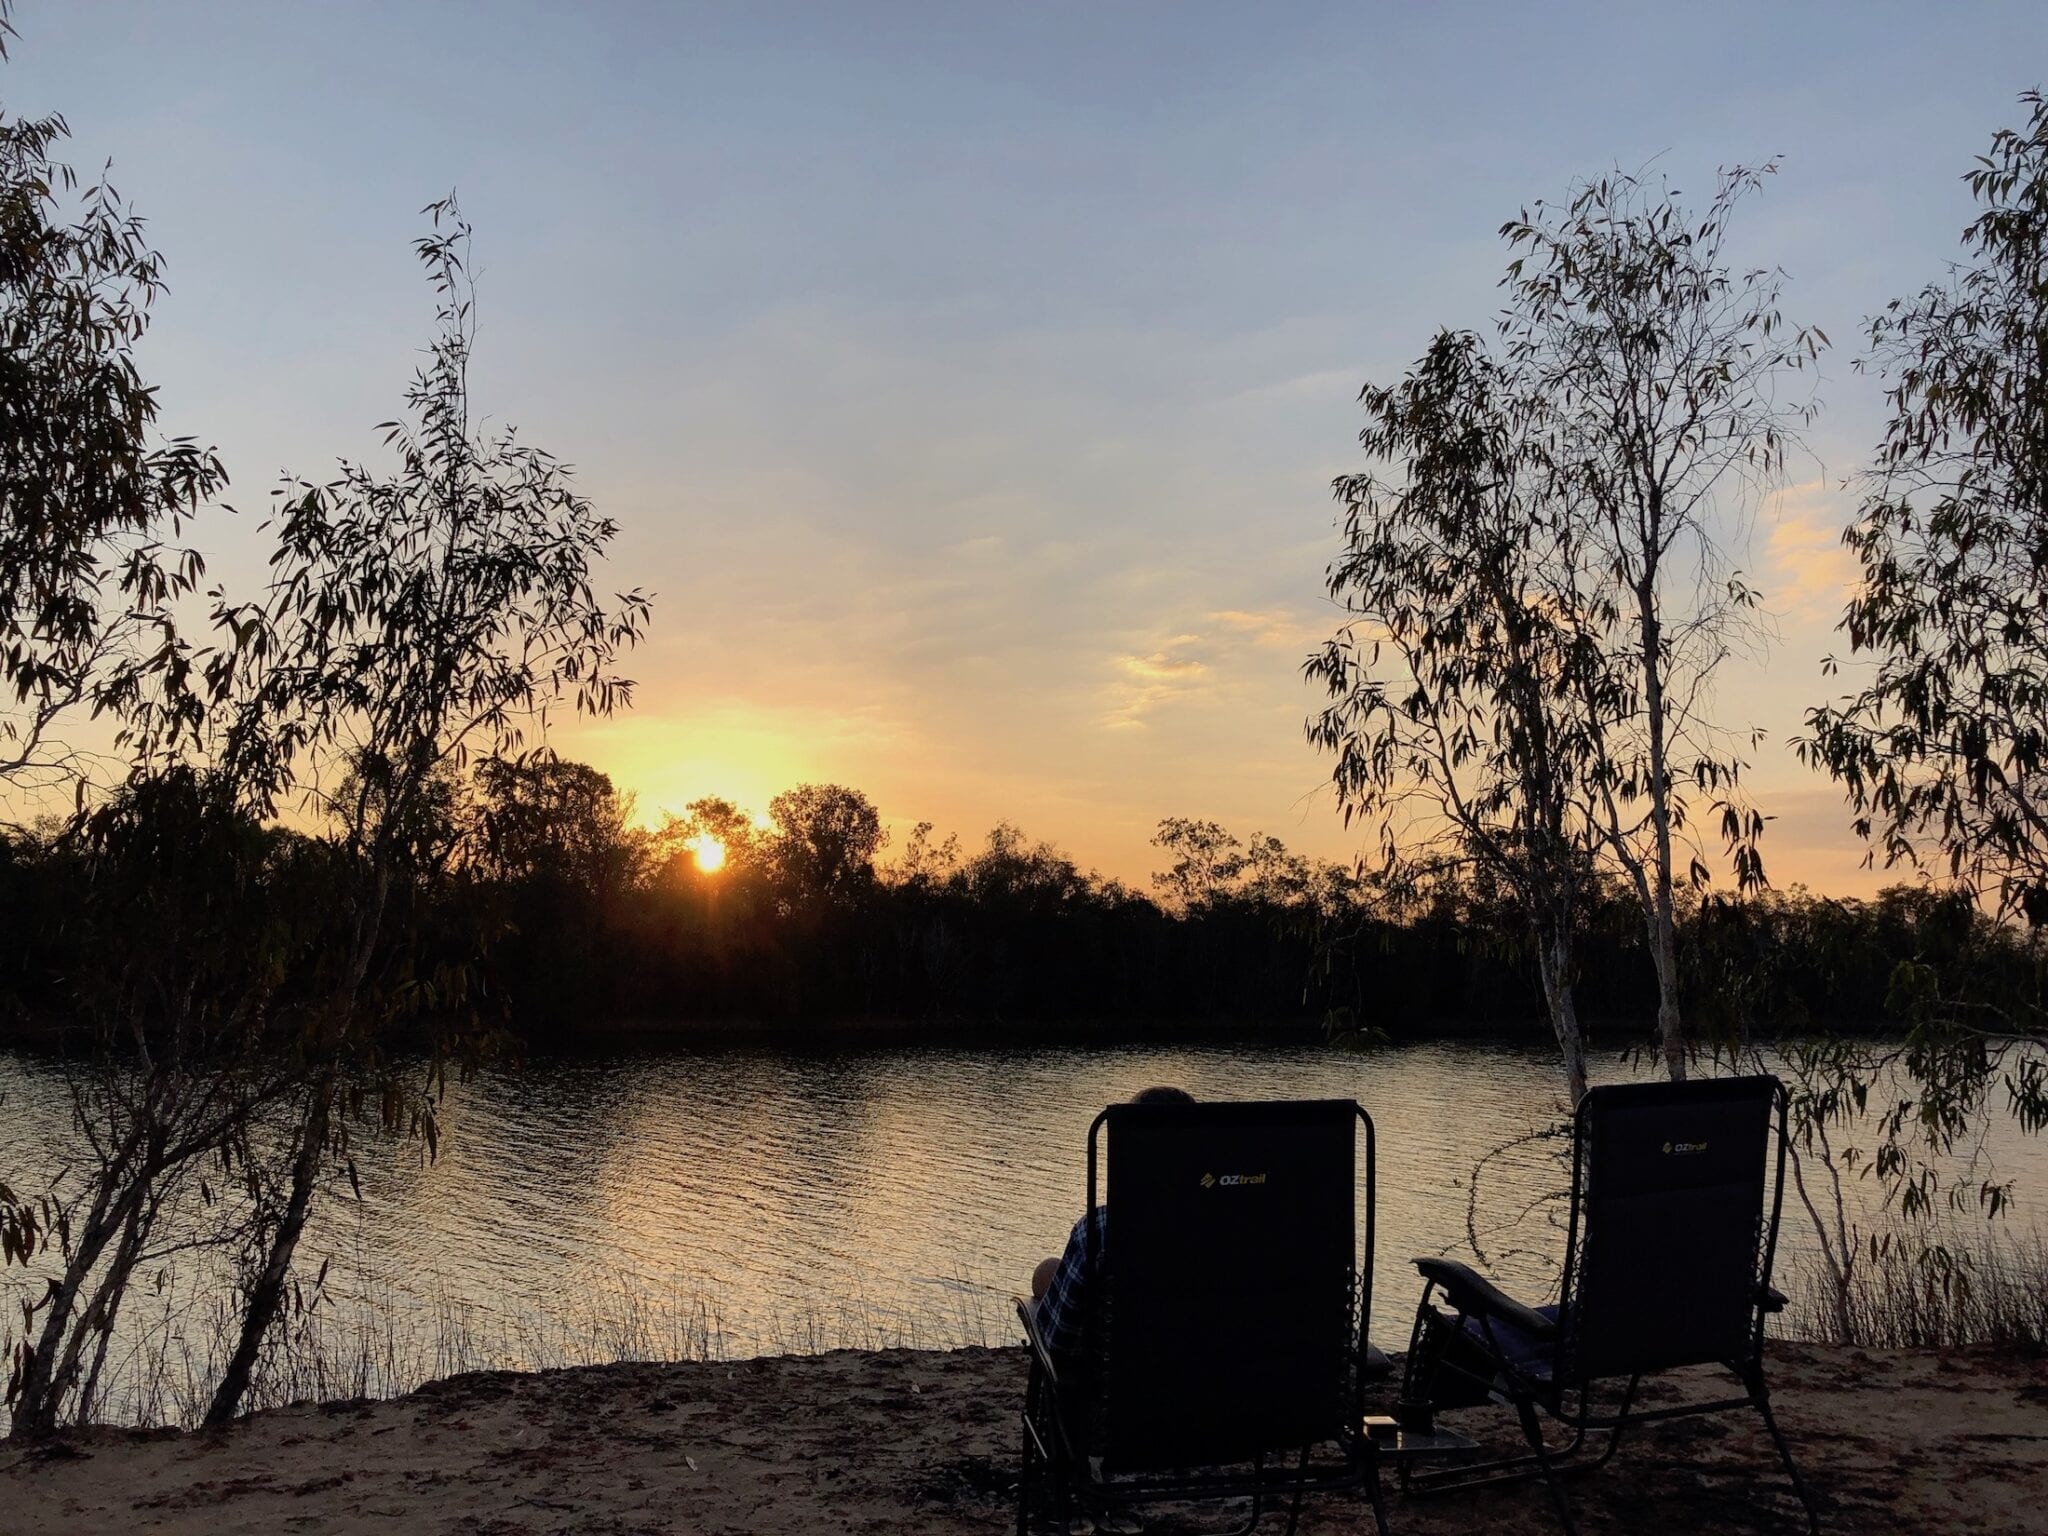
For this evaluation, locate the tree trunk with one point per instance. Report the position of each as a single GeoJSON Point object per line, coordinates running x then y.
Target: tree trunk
{"type": "Point", "coordinates": [36, 1401]}
{"type": "Point", "coordinates": [1838, 1265]}
{"type": "Point", "coordinates": [1663, 921]}
{"type": "Point", "coordinates": [41, 1388]}
{"type": "Point", "coordinates": [266, 1294]}
{"type": "Point", "coordinates": [1554, 962]}
{"type": "Point", "coordinates": [1670, 1026]}
{"type": "Point", "coordinates": [97, 1323]}
{"type": "Point", "coordinates": [1838, 1248]}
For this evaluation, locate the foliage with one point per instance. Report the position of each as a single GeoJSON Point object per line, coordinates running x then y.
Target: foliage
{"type": "Point", "coordinates": [1537, 605]}
{"type": "Point", "coordinates": [1454, 718]}
{"type": "Point", "coordinates": [89, 495]}
{"type": "Point", "coordinates": [1208, 861]}
{"type": "Point", "coordinates": [1659, 371]}
{"type": "Point", "coordinates": [181, 929]}
{"type": "Point", "coordinates": [551, 860]}
{"type": "Point", "coordinates": [709, 822]}
{"type": "Point", "coordinates": [544, 819]}
{"type": "Point", "coordinates": [1942, 749]}
{"type": "Point", "coordinates": [924, 864]}
{"type": "Point", "coordinates": [416, 619]}
{"type": "Point", "coordinates": [1017, 934]}
{"type": "Point", "coordinates": [826, 839]}
{"type": "Point", "coordinates": [413, 620]}
{"type": "Point", "coordinates": [1944, 753]}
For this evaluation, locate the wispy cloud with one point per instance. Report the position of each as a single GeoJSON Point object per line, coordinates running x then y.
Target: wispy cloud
{"type": "Point", "coordinates": [1146, 683]}
{"type": "Point", "coordinates": [1271, 628]}
{"type": "Point", "coordinates": [1811, 573]}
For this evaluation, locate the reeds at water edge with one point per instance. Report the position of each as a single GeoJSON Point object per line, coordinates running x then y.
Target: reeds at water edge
{"type": "Point", "coordinates": [1958, 1285]}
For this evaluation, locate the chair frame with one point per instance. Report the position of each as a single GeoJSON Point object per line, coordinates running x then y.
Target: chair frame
{"type": "Point", "coordinates": [1057, 1446]}
{"type": "Point", "coordinates": [1568, 1399]}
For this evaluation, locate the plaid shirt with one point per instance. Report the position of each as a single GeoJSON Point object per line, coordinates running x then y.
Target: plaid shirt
{"type": "Point", "coordinates": [1063, 1310]}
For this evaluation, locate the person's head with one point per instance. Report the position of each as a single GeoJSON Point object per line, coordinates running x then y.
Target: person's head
{"type": "Point", "coordinates": [1162, 1094]}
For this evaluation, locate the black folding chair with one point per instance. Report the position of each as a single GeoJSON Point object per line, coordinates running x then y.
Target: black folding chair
{"type": "Point", "coordinates": [1224, 1321]}
{"type": "Point", "coordinates": [1676, 1197]}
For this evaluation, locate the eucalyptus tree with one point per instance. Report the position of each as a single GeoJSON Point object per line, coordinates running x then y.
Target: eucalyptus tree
{"type": "Point", "coordinates": [925, 864]}
{"type": "Point", "coordinates": [415, 619]}
{"type": "Point", "coordinates": [92, 502]}
{"type": "Point", "coordinates": [195, 930]}
{"type": "Point", "coordinates": [91, 498]}
{"type": "Point", "coordinates": [1208, 860]}
{"type": "Point", "coordinates": [1454, 716]}
{"type": "Point", "coordinates": [1943, 750]}
{"type": "Point", "coordinates": [1660, 381]}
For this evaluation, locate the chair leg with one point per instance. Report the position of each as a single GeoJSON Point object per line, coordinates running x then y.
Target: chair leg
{"type": "Point", "coordinates": [1300, 1490]}
{"type": "Point", "coordinates": [1532, 1430]}
{"type": "Point", "coordinates": [1374, 1493]}
{"type": "Point", "coordinates": [1620, 1422]}
{"type": "Point", "coordinates": [1024, 1489]}
{"type": "Point", "coordinates": [1763, 1406]}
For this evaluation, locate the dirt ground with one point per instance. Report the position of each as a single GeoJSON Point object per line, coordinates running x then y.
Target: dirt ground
{"type": "Point", "coordinates": [916, 1441]}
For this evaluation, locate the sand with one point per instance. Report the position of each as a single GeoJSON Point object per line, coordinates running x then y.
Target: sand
{"type": "Point", "coordinates": [920, 1441]}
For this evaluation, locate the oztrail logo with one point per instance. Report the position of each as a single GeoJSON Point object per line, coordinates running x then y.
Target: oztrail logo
{"type": "Point", "coordinates": [1683, 1148]}
{"type": "Point", "coordinates": [1231, 1180]}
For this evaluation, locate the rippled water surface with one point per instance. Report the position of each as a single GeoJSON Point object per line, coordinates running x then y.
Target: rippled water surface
{"type": "Point", "coordinates": [871, 1196]}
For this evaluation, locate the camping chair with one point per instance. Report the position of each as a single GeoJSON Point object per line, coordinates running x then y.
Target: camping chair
{"type": "Point", "coordinates": [1675, 1203]}
{"type": "Point", "coordinates": [1225, 1314]}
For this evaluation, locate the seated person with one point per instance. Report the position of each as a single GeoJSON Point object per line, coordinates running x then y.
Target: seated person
{"type": "Point", "coordinates": [1059, 1286]}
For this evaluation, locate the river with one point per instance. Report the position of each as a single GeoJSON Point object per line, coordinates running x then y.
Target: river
{"type": "Point", "coordinates": [735, 1202]}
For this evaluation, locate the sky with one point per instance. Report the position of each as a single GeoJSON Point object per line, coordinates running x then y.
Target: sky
{"type": "Point", "coordinates": [968, 380]}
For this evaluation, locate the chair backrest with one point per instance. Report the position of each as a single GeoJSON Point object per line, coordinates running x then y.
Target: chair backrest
{"type": "Point", "coordinates": [1232, 1291]}
{"type": "Point", "coordinates": [1675, 1206]}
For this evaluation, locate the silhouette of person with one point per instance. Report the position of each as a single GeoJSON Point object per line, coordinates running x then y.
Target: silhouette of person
{"type": "Point", "coordinates": [1059, 1286]}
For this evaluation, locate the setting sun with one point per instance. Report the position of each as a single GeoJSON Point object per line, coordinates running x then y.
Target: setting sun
{"type": "Point", "coordinates": [709, 853]}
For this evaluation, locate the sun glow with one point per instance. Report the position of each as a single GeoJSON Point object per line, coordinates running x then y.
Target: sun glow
{"type": "Point", "coordinates": [709, 853]}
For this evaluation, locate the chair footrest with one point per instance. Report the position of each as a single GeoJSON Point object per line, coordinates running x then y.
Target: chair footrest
{"type": "Point", "coordinates": [1393, 1440]}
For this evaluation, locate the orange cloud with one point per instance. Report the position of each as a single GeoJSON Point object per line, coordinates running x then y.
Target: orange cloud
{"type": "Point", "coordinates": [1811, 573]}
{"type": "Point", "coordinates": [1276, 628]}
{"type": "Point", "coordinates": [1152, 680]}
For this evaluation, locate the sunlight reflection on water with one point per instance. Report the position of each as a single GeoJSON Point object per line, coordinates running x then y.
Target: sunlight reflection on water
{"type": "Point", "coordinates": [917, 1186]}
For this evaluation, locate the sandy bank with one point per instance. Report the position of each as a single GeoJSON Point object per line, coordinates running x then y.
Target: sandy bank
{"type": "Point", "coordinates": [915, 1441]}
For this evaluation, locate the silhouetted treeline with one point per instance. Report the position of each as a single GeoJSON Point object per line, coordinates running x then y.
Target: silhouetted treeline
{"type": "Point", "coordinates": [536, 903]}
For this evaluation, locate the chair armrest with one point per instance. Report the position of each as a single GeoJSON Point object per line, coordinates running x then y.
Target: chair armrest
{"type": "Point", "coordinates": [1773, 1299]}
{"type": "Point", "coordinates": [1027, 1314]}
{"type": "Point", "coordinates": [1476, 1296]}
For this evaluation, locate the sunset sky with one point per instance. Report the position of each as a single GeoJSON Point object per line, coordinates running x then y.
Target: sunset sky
{"type": "Point", "coordinates": [968, 380]}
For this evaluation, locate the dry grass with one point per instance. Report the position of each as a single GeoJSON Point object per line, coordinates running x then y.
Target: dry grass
{"type": "Point", "coordinates": [377, 1343]}
{"type": "Point", "coordinates": [1936, 1287]}
{"type": "Point", "coordinates": [1924, 1287]}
